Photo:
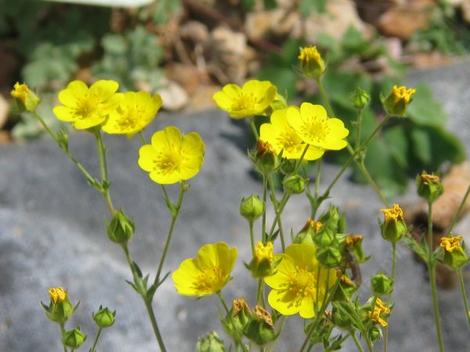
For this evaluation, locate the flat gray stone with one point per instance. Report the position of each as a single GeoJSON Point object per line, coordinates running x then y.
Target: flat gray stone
{"type": "Point", "coordinates": [52, 234]}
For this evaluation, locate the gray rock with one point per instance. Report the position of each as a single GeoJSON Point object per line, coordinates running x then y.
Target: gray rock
{"type": "Point", "coordinates": [52, 234]}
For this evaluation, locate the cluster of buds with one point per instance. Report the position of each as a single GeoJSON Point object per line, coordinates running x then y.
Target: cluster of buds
{"type": "Point", "coordinates": [255, 324]}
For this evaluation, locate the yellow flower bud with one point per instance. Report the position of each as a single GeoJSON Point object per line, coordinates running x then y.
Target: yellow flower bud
{"type": "Point", "coordinates": [57, 294]}
{"type": "Point", "coordinates": [25, 96]}
{"type": "Point", "coordinates": [429, 186]}
{"type": "Point", "coordinates": [311, 62]}
{"type": "Point", "coordinates": [380, 312]}
{"type": "Point", "coordinates": [394, 226]}
{"type": "Point", "coordinates": [398, 100]}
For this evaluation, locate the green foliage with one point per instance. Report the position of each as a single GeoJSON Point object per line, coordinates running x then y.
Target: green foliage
{"type": "Point", "coordinates": [306, 7]}
{"type": "Point", "coordinates": [130, 58]}
{"type": "Point", "coordinates": [160, 11]}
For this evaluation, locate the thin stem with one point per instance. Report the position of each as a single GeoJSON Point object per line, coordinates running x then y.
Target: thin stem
{"type": "Point", "coordinates": [104, 172]}
{"type": "Point", "coordinates": [394, 262]}
{"type": "Point", "coordinates": [253, 129]}
{"type": "Point", "coordinates": [174, 217]}
{"type": "Point", "coordinates": [432, 280]}
{"type": "Point", "coordinates": [252, 238]}
{"type": "Point", "coordinates": [153, 320]}
{"type": "Point", "coordinates": [62, 331]}
{"type": "Point", "coordinates": [278, 211]}
{"type": "Point", "coordinates": [222, 300]}
{"type": "Point", "coordinates": [459, 211]}
{"type": "Point", "coordinates": [317, 177]}
{"type": "Point", "coordinates": [98, 334]}
{"type": "Point", "coordinates": [276, 204]}
{"type": "Point", "coordinates": [260, 293]}
{"type": "Point", "coordinates": [142, 138]}
{"type": "Point", "coordinates": [359, 127]}
{"type": "Point", "coordinates": [263, 220]}
{"type": "Point", "coordinates": [357, 343]}
{"type": "Point", "coordinates": [464, 295]}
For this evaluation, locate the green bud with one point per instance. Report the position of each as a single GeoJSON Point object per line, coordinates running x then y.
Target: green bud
{"type": "Point", "coordinates": [311, 62]}
{"type": "Point", "coordinates": [25, 98]}
{"type": "Point", "coordinates": [260, 329]}
{"type": "Point", "coordinates": [252, 207]}
{"type": "Point", "coordinates": [329, 256]}
{"type": "Point", "coordinates": [121, 228]}
{"type": "Point", "coordinates": [454, 253]}
{"type": "Point", "coordinates": [210, 343]}
{"type": "Point", "coordinates": [382, 284]}
{"type": "Point", "coordinates": [288, 166]}
{"type": "Point", "coordinates": [237, 319]}
{"type": "Point", "coordinates": [278, 103]}
{"type": "Point", "coordinates": [104, 318]}
{"type": "Point", "coordinates": [294, 184]}
{"type": "Point", "coordinates": [333, 220]}
{"type": "Point", "coordinates": [266, 159]}
{"type": "Point", "coordinates": [374, 333]}
{"type": "Point", "coordinates": [360, 98]}
{"type": "Point", "coordinates": [354, 244]}
{"type": "Point", "coordinates": [73, 338]}
{"type": "Point", "coordinates": [429, 186]}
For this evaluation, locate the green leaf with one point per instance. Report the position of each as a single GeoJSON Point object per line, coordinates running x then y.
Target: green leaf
{"type": "Point", "coordinates": [341, 85]}
{"type": "Point", "coordinates": [425, 109]}
{"type": "Point", "coordinates": [308, 6]}
{"type": "Point", "coordinates": [396, 138]}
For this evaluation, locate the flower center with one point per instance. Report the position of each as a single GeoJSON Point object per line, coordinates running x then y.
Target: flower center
{"type": "Point", "coordinates": [209, 278]}
{"type": "Point", "coordinates": [86, 107]}
{"type": "Point", "coordinates": [301, 284]}
{"type": "Point", "coordinates": [167, 163]}
{"type": "Point", "coordinates": [244, 101]}
{"type": "Point", "coordinates": [289, 141]}
{"type": "Point", "coordinates": [315, 130]}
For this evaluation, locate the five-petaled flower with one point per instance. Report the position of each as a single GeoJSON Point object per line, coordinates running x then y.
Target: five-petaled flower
{"type": "Point", "coordinates": [208, 272]}
{"type": "Point", "coordinates": [85, 106]}
{"type": "Point", "coordinates": [314, 127]}
{"type": "Point", "coordinates": [300, 282]}
{"type": "Point", "coordinates": [253, 98]}
{"type": "Point", "coordinates": [135, 111]}
{"type": "Point", "coordinates": [285, 140]}
{"type": "Point", "coordinates": [172, 157]}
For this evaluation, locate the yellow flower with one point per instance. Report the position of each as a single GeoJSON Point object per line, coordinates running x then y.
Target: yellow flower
{"type": "Point", "coordinates": [208, 272]}
{"type": "Point", "coordinates": [451, 243]}
{"type": "Point", "coordinates": [247, 101]}
{"type": "Point", "coordinates": [135, 111]}
{"type": "Point", "coordinates": [57, 294]}
{"type": "Point", "coordinates": [398, 99]}
{"type": "Point", "coordinates": [394, 225]}
{"type": "Point", "coordinates": [172, 157]}
{"type": "Point", "coordinates": [314, 127]}
{"type": "Point", "coordinates": [28, 99]}
{"type": "Point", "coordinates": [311, 62]}
{"type": "Point", "coordinates": [379, 312]}
{"type": "Point", "coordinates": [86, 107]}
{"type": "Point", "coordinates": [300, 282]}
{"type": "Point", "coordinates": [284, 139]}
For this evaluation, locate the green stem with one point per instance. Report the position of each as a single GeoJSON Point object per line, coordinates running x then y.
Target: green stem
{"type": "Point", "coordinates": [432, 280]}
{"type": "Point", "coordinates": [357, 343]}
{"type": "Point", "coordinates": [278, 211]}
{"type": "Point", "coordinates": [253, 128]}
{"type": "Point", "coordinates": [464, 295]}
{"type": "Point", "coordinates": [359, 127]}
{"type": "Point", "coordinates": [459, 211]}
{"type": "Point", "coordinates": [394, 262]}
{"type": "Point", "coordinates": [317, 178]}
{"type": "Point", "coordinates": [252, 238]}
{"type": "Point", "coordinates": [222, 300]}
{"type": "Point", "coordinates": [62, 331]}
{"type": "Point", "coordinates": [104, 172]}
{"type": "Point", "coordinates": [174, 217]}
{"type": "Point", "coordinates": [142, 138]}
{"type": "Point", "coordinates": [277, 218]}
{"type": "Point", "coordinates": [153, 320]}
{"type": "Point", "coordinates": [260, 293]}
{"type": "Point", "coordinates": [263, 220]}
{"type": "Point", "coordinates": [98, 334]}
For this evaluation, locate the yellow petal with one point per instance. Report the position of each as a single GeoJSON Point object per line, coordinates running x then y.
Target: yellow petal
{"type": "Point", "coordinates": [306, 310]}
{"type": "Point", "coordinates": [311, 111]}
{"type": "Point", "coordinates": [74, 90]}
{"type": "Point", "coordinates": [169, 137]}
{"type": "Point", "coordinates": [63, 113]}
{"type": "Point", "coordinates": [147, 156]}
{"type": "Point", "coordinates": [281, 302]}
{"type": "Point", "coordinates": [104, 89]}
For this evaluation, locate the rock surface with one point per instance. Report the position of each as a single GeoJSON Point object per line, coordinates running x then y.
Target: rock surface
{"type": "Point", "coordinates": [52, 234]}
